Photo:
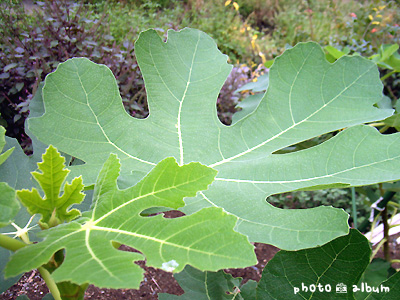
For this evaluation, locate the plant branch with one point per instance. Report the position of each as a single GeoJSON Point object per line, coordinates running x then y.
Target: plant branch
{"type": "Point", "coordinates": [384, 128]}
{"type": "Point", "coordinates": [51, 284]}
{"type": "Point", "coordinates": [10, 243]}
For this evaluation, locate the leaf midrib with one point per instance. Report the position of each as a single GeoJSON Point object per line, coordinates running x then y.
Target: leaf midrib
{"type": "Point", "coordinates": [178, 124]}
{"type": "Point", "coordinates": [227, 160]}
{"type": "Point", "coordinates": [181, 102]}
{"type": "Point", "coordinates": [304, 179]}
{"type": "Point", "coordinates": [160, 241]}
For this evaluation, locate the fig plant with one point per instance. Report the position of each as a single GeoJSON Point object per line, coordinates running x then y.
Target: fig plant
{"type": "Point", "coordinates": [182, 151]}
{"type": "Point", "coordinates": [89, 242]}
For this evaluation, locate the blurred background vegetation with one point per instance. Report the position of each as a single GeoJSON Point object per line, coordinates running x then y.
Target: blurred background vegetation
{"type": "Point", "coordinates": [36, 36]}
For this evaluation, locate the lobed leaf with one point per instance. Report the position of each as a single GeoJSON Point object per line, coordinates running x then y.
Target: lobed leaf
{"type": "Point", "coordinates": [342, 261]}
{"type": "Point", "coordinates": [53, 207]}
{"type": "Point", "coordinates": [306, 97]}
{"type": "Point", "coordinates": [205, 240]}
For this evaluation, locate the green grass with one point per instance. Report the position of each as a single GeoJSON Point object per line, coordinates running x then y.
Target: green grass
{"type": "Point", "coordinates": [260, 28]}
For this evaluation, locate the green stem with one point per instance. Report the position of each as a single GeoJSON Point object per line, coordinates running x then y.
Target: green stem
{"type": "Point", "coordinates": [387, 75]}
{"type": "Point", "coordinates": [10, 243]}
{"type": "Point", "coordinates": [353, 200]}
{"type": "Point", "coordinates": [384, 128]}
{"type": "Point", "coordinates": [51, 284]}
{"type": "Point", "coordinates": [377, 249]}
{"type": "Point", "coordinates": [53, 222]}
{"type": "Point", "coordinates": [376, 124]}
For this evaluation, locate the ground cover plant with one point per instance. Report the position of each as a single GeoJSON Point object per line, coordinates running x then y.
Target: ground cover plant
{"type": "Point", "coordinates": [224, 174]}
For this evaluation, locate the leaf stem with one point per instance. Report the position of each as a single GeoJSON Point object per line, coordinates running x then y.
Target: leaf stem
{"type": "Point", "coordinates": [51, 284]}
{"type": "Point", "coordinates": [14, 245]}
{"type": "Point", "coordinates": [377, 248]}
{"type": "Point", "coordinates": [10, 243]}
{"type": "Point", "coordinates": [387, 75]}
{"type": "Point", "coordinates": [376, 124]}
{"type": "Point", "coordinates": [384, 128]}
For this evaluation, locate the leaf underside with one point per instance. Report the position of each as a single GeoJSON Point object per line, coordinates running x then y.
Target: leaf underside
{"type": "Point", "coordinates": [205, 240]}
{"type": "Point", "coordinates": [307, 97]}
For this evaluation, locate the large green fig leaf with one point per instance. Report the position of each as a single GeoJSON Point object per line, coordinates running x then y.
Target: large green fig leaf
{"type": "Point", "coordinates": [205, 240]}
{"type": "Point", "coordinates": [307, 97]}
{"type": "Point", "coordinates": [53, 207]}
{"type": "Point", "coordinates": [290, 274]}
